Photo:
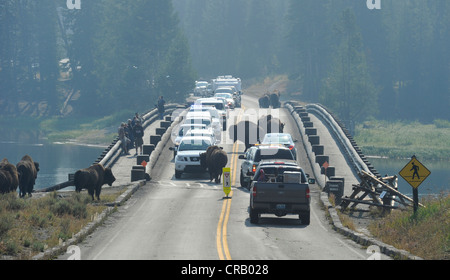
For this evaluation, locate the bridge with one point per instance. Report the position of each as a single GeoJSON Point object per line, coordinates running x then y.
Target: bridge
{"type": "Point", "coordinates": [164, 218]}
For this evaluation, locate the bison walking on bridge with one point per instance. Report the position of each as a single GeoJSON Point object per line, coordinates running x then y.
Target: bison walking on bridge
{"type": "Point", "coordinates": [9, 178]}
{"type": "Point", "coordinates": [93, 178]}
{"type": "Point", "coordinates": [27, 170]}
{"type": "Point", "coordinates": [215, 159]}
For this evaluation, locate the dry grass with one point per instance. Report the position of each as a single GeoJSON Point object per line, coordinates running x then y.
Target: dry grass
{"type": "Point", "coordinates": [425, 234]}
{"type": "Point", "coordinates": [29, 226]}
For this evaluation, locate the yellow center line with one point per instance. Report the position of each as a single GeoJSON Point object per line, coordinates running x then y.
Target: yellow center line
{"type": "Point", "coordinates": [221, 235]}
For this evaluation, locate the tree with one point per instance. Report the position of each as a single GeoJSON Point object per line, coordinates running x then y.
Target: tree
{"type": "Point", "coordinates": [348, 90]}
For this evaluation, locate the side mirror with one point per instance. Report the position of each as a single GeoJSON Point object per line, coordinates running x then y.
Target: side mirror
{"type": "Point", "coordinates": [295, 140]}
{"type": "Point", "coordinates": [172, 148]}
{"type": "Point", "coordinates": [242, 157]}
{"type": "Point", "coordinates": [311, 181]}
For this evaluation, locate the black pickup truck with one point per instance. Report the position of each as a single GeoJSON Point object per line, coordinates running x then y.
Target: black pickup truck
{"type": "Point", "coordinates": [280, 190]}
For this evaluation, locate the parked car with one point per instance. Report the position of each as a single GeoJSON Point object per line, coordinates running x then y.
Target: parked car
{"type": "Point", "coordinates": [255, 154]}
{"type": "Point", "coordinates": [188, 155]}
{"type": "Point", "coordinates": [281, 138]}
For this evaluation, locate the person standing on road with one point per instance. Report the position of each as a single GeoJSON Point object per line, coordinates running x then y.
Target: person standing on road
{"type": "Point", "coordinates": [123, 138]}
{"type": "Point", "coordinates": [161, 109]}
{"type": "Point", "coordinates": [138, 132]}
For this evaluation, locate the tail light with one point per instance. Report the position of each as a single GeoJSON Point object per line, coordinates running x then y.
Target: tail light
{"type": "Point", "coordinates": [307, 193]}
{"type": "Point", "coordinates": [254, 168]}
{"type": "Point", "coordinates": [254, 191]}
{"type": "Point", "coordinates": [291, 147]}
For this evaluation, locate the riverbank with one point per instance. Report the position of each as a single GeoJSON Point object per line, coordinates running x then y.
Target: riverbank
{"type": "Point", "coordinates": [400, 139]}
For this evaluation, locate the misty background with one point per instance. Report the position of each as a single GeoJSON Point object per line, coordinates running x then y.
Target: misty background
{"type": "Point", "coordinates": [391, 64]}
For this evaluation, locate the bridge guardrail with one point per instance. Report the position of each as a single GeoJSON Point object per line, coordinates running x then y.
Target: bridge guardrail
{"type": "Point", "coordinates": [343, 138]}
{"type": "Point", "coordinates": [113, 151]}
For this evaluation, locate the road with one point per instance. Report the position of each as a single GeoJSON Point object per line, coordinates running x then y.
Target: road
{"type": "Point", "coordinates": [189, 219]}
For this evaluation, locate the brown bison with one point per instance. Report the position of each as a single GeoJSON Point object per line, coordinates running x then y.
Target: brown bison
{"type": "Point", "coordinates": [275, 100]}
{"type": "Point", "coordinates": [27, 170]}
{"type": "Point", "coordinates": [92, 179]}
{"type": "Point", "coordinates": [9, 178]}
{"type": "Point", "coordinates": [215, 159]}
{"type": "Point", "coordinates": [264, 102]}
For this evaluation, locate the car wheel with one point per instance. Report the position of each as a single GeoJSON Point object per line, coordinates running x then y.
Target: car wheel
{"type": "Point", "coordinates": [178, 174]}
{"type": "Point", "coordinates": [254, 216]}
{"type": "Point", "coordinates": [305, 218]}
{"type": "Point", "coordinates": [243, 183]}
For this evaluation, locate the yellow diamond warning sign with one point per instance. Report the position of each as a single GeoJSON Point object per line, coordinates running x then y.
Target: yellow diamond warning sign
{"type": "Point", "coordinates": [415, 173]}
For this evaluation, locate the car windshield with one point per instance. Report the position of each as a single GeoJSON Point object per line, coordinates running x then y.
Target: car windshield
{"type": "Point", "coordinates": [194, 145]}
{"type": "Point", "coordinates": [273, 154]}
{"type": "Point", "coordinates": [224, 95]}
{"type": "Point", "coordinates": [185, 129]}
{"type": "Point", "coordinates": [276, 170]}
{"type": "Point", "coordinates": [277, 138]}
{"type": "Point", "coordinates": [206, 122]}
{"type": "Point", "coordinates": [217, 105]}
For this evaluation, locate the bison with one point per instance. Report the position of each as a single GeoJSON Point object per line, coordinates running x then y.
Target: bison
{"type": "Point", "coordinates": [264, 102]}
{"type": "Point", "coordinates": [9, 178]}
{"type": "Point", "coordinates": [93, 178]}
{"type": "Point", "coordinates": [275, 100]}
{"type": "Point", "coordinates": [215, 159]}
{"type": "Point", "coordinates": [27, 170]}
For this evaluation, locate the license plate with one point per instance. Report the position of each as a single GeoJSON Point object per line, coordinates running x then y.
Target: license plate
{"type": "Point", "coordinates": [281, 206]}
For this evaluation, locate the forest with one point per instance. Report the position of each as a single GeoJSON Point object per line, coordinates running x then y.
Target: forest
{"type": "Point", "coordinates": [391, 63]}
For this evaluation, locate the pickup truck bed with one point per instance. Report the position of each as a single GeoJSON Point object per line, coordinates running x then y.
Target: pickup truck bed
{"type": "Point", "coordinates": [280, 199]}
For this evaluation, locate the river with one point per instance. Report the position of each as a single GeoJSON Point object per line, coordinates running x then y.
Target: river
{"type": "Point", "coordinates": [437, 182]}
{"type": "Point", "coordinates": [56, 161]}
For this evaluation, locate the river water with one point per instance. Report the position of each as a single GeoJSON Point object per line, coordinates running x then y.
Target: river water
{"type": "Point", "coordinates": [437, 182]}
{"type": "Point", "coordinates": [56, 161]}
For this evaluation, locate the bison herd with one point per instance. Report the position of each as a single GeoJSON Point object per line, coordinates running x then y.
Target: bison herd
{"type": "Point", "coordinates": [270, 99]}
{"type": "Point", "coordinates": [23, 176]}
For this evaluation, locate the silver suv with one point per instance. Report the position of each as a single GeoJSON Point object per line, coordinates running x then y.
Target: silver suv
{"type": "Point", "coordinates": [256, 154]}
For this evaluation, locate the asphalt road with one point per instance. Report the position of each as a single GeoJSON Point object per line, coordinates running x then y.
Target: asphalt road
{"type": "Point", "coordinates": [189, 219]}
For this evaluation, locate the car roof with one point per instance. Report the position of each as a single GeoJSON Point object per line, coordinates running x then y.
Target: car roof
{"type": "Point", "coordinates": [193, 138]}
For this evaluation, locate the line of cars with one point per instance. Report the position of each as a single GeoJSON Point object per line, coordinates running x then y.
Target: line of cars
{"type": "Point", "coordinates": [277, 184]}
{"type": "Point", "coordinates": [202, 127]}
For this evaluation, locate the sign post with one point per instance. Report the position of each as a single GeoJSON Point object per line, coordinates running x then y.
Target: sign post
{"type": "Point", "coordinates": [415, 173]}
{"type": "Point", "coordinates": [226, 180]}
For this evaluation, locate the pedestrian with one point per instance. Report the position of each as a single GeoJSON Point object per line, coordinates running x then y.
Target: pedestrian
{"type": "Point", "coordinates": [161, 110]}
{"type": "Point", "coordinates": [137, 118]}
{"type": "Point", "coordinates": [138, 132]}
{"type": "Point", "coordinates": [123, 138]}
{"type": "Point", "coordinates": [130, 134]}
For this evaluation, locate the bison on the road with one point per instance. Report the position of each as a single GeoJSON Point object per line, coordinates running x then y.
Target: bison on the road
{"type": "Point", "coordinates": [92, 179]}
{"type": "Point", "coordinates": [215, 159]}
{"type": "Point", "coordinates": [27, 170]}
{"type": "Point", "coordinates": [9, 179]}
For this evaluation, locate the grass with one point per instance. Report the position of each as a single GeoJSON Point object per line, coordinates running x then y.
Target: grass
{"type": "Point", "coordinates": [29, 226]}
{"type": "Point", "coordinates": [403, 139]}
{"type": "Point", "coordinates": [425, 234]}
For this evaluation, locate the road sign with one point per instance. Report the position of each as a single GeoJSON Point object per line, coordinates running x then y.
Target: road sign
{"type": "Point", "coordinates": [415, 173]}
{"type": "Point", "coordinates": [226, 180]}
